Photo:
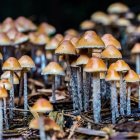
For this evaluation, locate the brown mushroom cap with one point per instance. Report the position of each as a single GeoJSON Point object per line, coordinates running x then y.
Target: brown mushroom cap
{"type": "Point", "coordinates": [49, 124]}
{"type": "Point", "coordinates": [109, 40]}
{"type": "Point", "coordinates": [71, 32]}
{"type": "Point", "coordinates": [112, 66]}
{"type": "Point", "coordinates": [4, 39]}
{"type": "Point", "coordinates": [87, 24]}
{"type": "Point", "coordinates": [3, 93]}
{"type": "Point", "coordinates": [95, 65]}
{"type": "Point", "coordinates": [46, 28]}
{"type": "Point", "coordinates": [123, 22]}
{"type": "Point", "coordinates": [5, 84]}
{"type": "Point", "coordinates": [118, 8]}
{"type": "Point", "coordinates": [82, 60]}
{"type": "Point", "coordinates": [59, 37]}
{"type": "Point", "coordinates": [73, 64]}
{"type": "Point", "coordinates": [6, 75]}
{"type": "Point", "coordinates": [66, 47]}
{"type": "Point", "coordinates": [11, 64]}
{"type": "Point", "coordinates": [112, 75]}
{"type": "Point", "coordinates": [1, 57]}
{"type": "Point", "coordinates": [53, 68]}
{"type": "Point", "coordinates": [52, 44]}
{"type": "Point", "coordinates": [42, 106]}
{"type": "Point", "coordinates": [136, 49]}
{"type": "Point", "coordinates": [121, 66]}
{"type": "Point", "coordinates": [90, 40]}
{"type": "Point", "coordinates": [132, 76]}
{"type": "Point", "coordinates": [26, 62]}
{"type": "Point", "coordinates": [111, 52]}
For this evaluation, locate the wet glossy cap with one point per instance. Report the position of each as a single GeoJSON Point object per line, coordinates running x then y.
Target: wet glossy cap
{"type": "Point", "coordinates": [3, 93]}
{"type": "Point", "coordinates": [112, 75]}
{"type": "Point", "coordinates": [82, 60]}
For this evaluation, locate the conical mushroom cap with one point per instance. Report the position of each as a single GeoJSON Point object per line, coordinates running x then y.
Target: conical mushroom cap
{"type": "Point", "coordinates": [49, 124]}
{"type": "Point", "coordinates": [109, 40]}
{"type": "Point", "coordinates": [95, 65]}
{"type": "Point", "coordinates": [118, 8]}
{"type": "Point", "coordinates": [112, 66]}
{"type": "Point", "coordinates": [53, 44]}
{"type": "Point", "coordinates": [3, 93]}
{"type": "Point", "coordinates": [5, 84]}
{"type": "Point", "coordinates": [53, 68]}
{"type": "Point", "coordinates": [112, 75]}
{"type": "Point", "coordinates": [66, 47]}
{"type": "Point", "coordinates": [73, 64]}
{"type": "Point", "coordinates": [87, 24]}
{"type": "Point", "coordinates": [59, 37]}
{"type": "Point", "coordinates": [71, 32]}
{"type": "Point", "coordinates": [101, 17]}
{"type": "Point", "coordinates": [132, 76]}
{"type": "Point", "coordinates": [121, 66]}
{"type": "Point", "coordinates": [11, 64]}
{"type": "Point", "coordinates": [136, 49]}
{"type": "Point", "coordinates": [111, 52]}
{"type": "Point", "coordinates": [4, 40]}
{"type": "Point", "coordinates": [82, 60]}
{"type": "Point", "coordinates": [6, 75]}
{"type": "Point", "coordinates": [42, 106]}
{"type": "Point", "coordinates": [26, 62]}
{"type": "Point", "coordinates": [46, 28]}
{"type": "Point", "coordinates": [90, 40]}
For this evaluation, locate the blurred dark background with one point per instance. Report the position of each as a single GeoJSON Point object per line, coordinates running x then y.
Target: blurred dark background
{"type": "Point", "coordinates": [63, 14]}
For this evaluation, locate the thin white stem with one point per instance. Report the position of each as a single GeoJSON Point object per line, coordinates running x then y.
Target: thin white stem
{"type": "Point", "coordinates": [128, 101]}
{"type": "Point", "coordinates": [1, 121]}
{"type": "Point", "coordinates": [5, 114]}
{"type": "Point", "coordinates": [138, 63]}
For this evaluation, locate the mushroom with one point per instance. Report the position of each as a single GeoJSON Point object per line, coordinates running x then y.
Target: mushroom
{"type": "Point", "coordinates": [87, 25]}
{"type": "Point", "coordinates": [53, 68]}
{"type": "Point", "coordinates": [136, 51]}
{"type": "Point", "coordinates": [42, 106]}
{"type": "Point", "coordinates": [49, 124]}
{"type": "Point", "coordinates": [7, 85]}
{"type": "Point", "coordinates": [96, 65]}
{"type": "Point", "coordinates": [11, 64]}
{"type": "Point", "coordinates": [3, 94]}
{"type": "Point", "coordinates": [131, 77]}
{"type": "Point", "coordinates": [68, 49]}
{"type": "Point", "coordinates": [26, 63]}
{"type": "Point", "coordinates": [122, 67]}
{"type": "Point", "coordinates": [112, 76]}
{"type": "Point", "coordinates": [81, 61]}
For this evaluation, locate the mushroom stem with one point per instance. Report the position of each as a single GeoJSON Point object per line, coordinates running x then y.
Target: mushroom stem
{"type": "Point", "coordinates": [1, 120]}
{"type": "Point", "coordinates": [20, 88]}
{"type": "Point", "coordinates": [79, 90]}
{"type": "Point", "coordinates": [114, 103]}
{"type": "Point", "coordinates": [86, 85]}
{"type": "Point", "coordinates": [53, 90]}
{"type": "Point", "coordinates": [73, 81]}
{"type": "Point", "coordinates": [138, 63]}
{"type": "Point", "coordinates": [96, 95]}
{"type": "Point", "coordinates": [5, 114]}
{"type": "Point", "coordinates": [42, 129]}
{"type": "Point", "coordinates": [128, 101]}
{"type": "Point", "coordinates": [122, 96]}
{"type": "Point", "coordinates": [25, 94]}
{"type": "Point", "coordinates": [11, 101]}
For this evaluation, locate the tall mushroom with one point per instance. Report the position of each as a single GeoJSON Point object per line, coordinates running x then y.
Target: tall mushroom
{"type": "Point", "coordinates": [122, 67]}
{"type": "Point", "coordinates": [26, 63]}
{"type": "Point", "coordinates": [112, 76]}
{"type": "Point", "coordinates": [91, 42]}
{"type": "Point", "coordinates": [3, 94]}
{"type": "Point", "coordinates": [53, 68]}
{"type": "Point", "coordinates": [67, 49]}
{"type": "Point", "coordinates": [11, 64]}
{"type": "Point", "coordinates": [42, 106]}
{"type": "Point", "coordinates": [136, 51]}
{"type": "Point", "coordinates": [7, 85]}
{"type": "Point", "coordinates": [96, 65]}
{"type": "Point", "coordinates": [131, 77]}
{"type": "Point", "coordinates": [81, 61]}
